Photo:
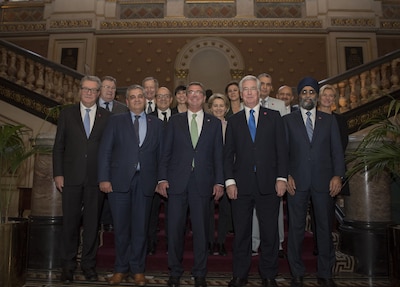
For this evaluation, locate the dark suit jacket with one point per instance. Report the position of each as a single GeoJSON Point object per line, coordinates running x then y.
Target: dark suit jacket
{"type": "Point", "coordinates": [178, 153]}
{"type": "Point", "coordinates": [155, 113]}
{"type": "Point", "coordinates": [75, 155]}
{"type": "Point", "coordinates": [119, 108]}
{"type": "Point", "coordinates": [119, 153]}
{"type": "Point", "coordinates": [268, 154]}
{"type": "Point", "coordinates": [312, 165]}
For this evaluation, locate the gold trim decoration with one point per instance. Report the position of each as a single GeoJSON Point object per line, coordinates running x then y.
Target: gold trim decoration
{"type": "Point", "coordinates": [209, 1]}
{"type": "Point", "coordinates": [395, 25]}
{"type": "Point", "coordinates": [280, 1]}
{"type": "Point", "coordinates": [127, 2]}
{"type": "Point", "coordinates": [23, 27]}
{"type": "Point", "coordinates": [242, 24]}
{"type": "Point", "coordinates": [351, 22]}
{"type": "Point", "coordinates": [68, 24]}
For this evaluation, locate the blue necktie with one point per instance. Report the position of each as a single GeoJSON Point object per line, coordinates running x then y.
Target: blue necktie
{"type": "Point", "coordinates": [136, 127]}
{"type": "Point", "coordinates": [252, 125]}
{"type": "Point", "coordinates": [309, 126]}
{"type": "Point", "coordinates": [86, 123]}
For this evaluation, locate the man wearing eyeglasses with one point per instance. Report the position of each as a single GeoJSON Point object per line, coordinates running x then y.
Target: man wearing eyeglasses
{"type": "Point", "coordinates": [163, 112]}
{"type": "Point", "coordinates": [190, 175]}
{"type": "Point", "coordinates": [75, 155]}
{"type": "Point", "coordinates": [315, 172]}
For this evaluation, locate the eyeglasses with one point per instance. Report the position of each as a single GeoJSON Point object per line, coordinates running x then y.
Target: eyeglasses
{"type": "Point", "coordinates": [163, 96]}
{"type": "Point", "coordinates": [109, 88]}
{"type": "Point", "coordinates": [310, 92]}
{"type": "Point", "coordinates": [88, 90]}
{"type": "Point", "coordinates": [251, 89]}
{"type": "Point", "coordinates": [197, 92]}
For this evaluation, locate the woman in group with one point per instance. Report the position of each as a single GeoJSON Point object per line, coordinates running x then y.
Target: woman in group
{"type": "Point", "coordinates": [233, 94]}
{"type": "Point", "coordinates": [180, 99]}
{"type": "Point", "coordinates": [218, 105]}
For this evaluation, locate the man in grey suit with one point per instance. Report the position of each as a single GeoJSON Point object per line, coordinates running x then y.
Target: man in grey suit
{"type": "Point", "coordinates": [128, 164]}
{"type": "Point", "coordinates": [79, 131]}
{"type": "Point", "coordinates": [316, 168]}
{"type": "Point", "coordinates": [190, 174]}
{"type": "Point", "coordinates": [255, 166]}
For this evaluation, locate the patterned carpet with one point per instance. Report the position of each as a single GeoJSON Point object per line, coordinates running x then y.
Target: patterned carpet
{"type": "Point", "coordinates": [42, 278]}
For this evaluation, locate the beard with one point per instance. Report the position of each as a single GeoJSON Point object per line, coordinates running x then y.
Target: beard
{"type": "Point", "coordinates": [308, 104]}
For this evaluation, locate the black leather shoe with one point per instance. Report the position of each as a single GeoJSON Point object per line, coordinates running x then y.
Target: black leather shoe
{"type": "Point", "coordinates": [151, 248]}
{"type": "Point", "coordinates": [173, 281]}
{"type": "Point", "coordinates": [221, 249]}
{"type": "Point", "coordinates": [281, 253]}
{"type": "Point", "coordinates": [326, 282]}
{"type": "Point", "coordinates": [108, 227]}
{"type": "Point", "coordinates": [269, 282]}
{"type": "Point", "coordinates": [297, 281]}
{"type": "Point", "coordinates": [237, 282]}
{"type": "Point", "coordinates": [200, 282]}
{"type": "Point", "coordinates": [67, 276]}
{"type": "Point", "coordinates": [90, 274]}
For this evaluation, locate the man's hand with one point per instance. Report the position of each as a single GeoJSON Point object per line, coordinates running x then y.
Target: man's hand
{"type": "Point", "coordinates": [291, 186]}
{"type": "Point", "coordinates": [106, 187]}
{"type": "Point", "coordinates": [162, 188]}
{"type": "Point", "coordinates": [218, 191]}
{"type": "Point", "coordinates": [280, 187]}
{"type": "Point", "coordinates": [231, 190]}
{"type": "Point", "coordinates": [59, 182]}
{"type": "Point", "coordinates": [335, 186]}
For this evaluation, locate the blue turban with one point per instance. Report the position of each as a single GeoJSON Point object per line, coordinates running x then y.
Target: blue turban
{"type": "Point", "coordinates": [308, 81]}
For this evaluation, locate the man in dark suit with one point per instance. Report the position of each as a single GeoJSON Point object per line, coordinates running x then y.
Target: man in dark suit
{"type": "Point", "coordinates": [255, 165]}
{"type": "Point", "coordinates": [128, 164]}
{"type": "Point", "coordinates": [316, 166]}
{"type": "Point", "coordinates": [107, 101]}
{"type": "Point", "coordinates": [191, 172]}
{"type": "Point", "coordinates": [163, 112]}
{"type": "Point", "coordinates": [79, 131]}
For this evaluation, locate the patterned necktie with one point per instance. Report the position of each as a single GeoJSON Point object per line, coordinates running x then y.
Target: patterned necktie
{"type": "Point", "coordinates": [309, 126]}
{"type": "Point", "coordinates": [107, 106]}
{"type": "Point", "coordinates": [136, 126]}
{"type": "Point", "coordinates": [86, 123]}
{"type": "Point", "coordinates": [194, 133]}
{"type": "Point", "coordinates": [149, 108]}
{"type": "Point", "coordinates": [252, 125]}
{"type": "Point", "coordinates": [263, 101]}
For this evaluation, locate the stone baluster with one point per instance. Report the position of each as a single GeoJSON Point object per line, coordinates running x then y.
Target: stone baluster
{"type": "Point", "coordinates": [364, 90]}
{"type": "Point", "coordinates": [374, 83]}
{"type": "Point", "coordinates": [21, 71]}
{"type": "Point", "coordinates": [58, 89]}
{"type": "Point", "coordinates": [394, 78]}
{"type": "Point", "coordinates": [30, 78]}
{"type": "Point", "coordinates": [353, 94]}
{"type": "Point", "coordinates": [12, 68]}
{"type": "Point", "coordinates": [343, 102]}
{"type": "Point", "coordinates": [3, 64]}
{"type": "Point", "coordinates": [49, 83]}
{"type": "Point", "coordinates": [39, 80]}
{"type": "Point", "coordinates": [69, 95]}
{"type": "Point", "coordinates": [384, 78]}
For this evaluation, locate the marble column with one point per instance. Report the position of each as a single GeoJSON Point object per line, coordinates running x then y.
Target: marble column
{"type": "Point", "coordinates": [367, 214]}
{"type": "Point", "coordinates": [46, 211]}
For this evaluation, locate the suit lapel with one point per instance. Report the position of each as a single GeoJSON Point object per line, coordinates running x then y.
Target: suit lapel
{"type": "Point", "coordinates": [78, 118]}
{"type": "Point", "coordinates": [184, 126]}
{"type": "Point", "coordinates": [300, 124]}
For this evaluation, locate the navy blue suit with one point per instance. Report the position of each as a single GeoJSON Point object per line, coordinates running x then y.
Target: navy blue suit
{"type": "Point", "coordinates": [133, 189]}
{"type": "Point", "coordinates": [312, 166]}
{"type": "Point", "coordinates": [255, 167]}
{"type": "Point", "coordinates": [189, 186]}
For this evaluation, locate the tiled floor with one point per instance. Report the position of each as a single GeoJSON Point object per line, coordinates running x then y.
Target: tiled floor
{"type": "Point", "coordinates": [42, 278]}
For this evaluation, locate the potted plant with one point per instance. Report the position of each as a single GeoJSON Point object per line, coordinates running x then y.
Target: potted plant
{"type": "Point", "coordinates": [379, 153]}
{"type": "Point", "coordinates": [13, 231]}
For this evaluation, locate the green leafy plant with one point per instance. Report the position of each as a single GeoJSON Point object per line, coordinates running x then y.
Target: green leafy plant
{"type": "Point", "coordinates": [13, 153]}
{"type": "Point", "coordinates": [379, 151]}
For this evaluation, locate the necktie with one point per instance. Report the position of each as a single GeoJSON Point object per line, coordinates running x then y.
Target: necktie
{"type": "Point", "coordinates": [107, 106]}
{"type": "Point", "coordinates": [149, 108]}
{"type": "Point", "coordinates": [309, 126]}
{"type": "Point", "coordinates": [165, 117]}
{"type": "Point", "coordinates": [194, 133]}
{"type": "Point", "coordinates": [86, 123]}
{"type": "Point", "coordinates": [136, 127]}
{"type": "Point", "coordinates": [252, 125]}
{"type": "Point", "coordinates": [263, 102]}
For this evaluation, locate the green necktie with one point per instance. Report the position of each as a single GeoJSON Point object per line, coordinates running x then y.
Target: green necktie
{"type": "Point", "coordinates": [194, 133]}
